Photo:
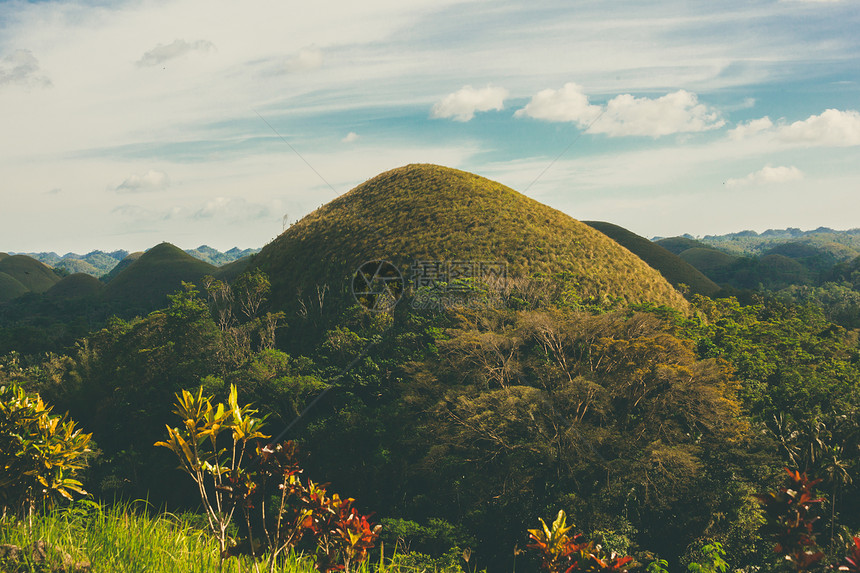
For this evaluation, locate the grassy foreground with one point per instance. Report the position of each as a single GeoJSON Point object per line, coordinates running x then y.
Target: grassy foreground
{"type": "Point", "coordinates": [124, 538]}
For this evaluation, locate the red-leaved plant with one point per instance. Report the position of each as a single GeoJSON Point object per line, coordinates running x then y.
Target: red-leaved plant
{"type": "Point", "coordinates": [564, 553]}
{"type": "Point", "coordinates": [243, 476]}
{"type": "Point", "coordinates": [790, 520]}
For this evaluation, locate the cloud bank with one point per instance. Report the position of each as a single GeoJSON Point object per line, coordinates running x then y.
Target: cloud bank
{"type": "Point", "coordinates": [766, 175]}
{"type": "Point", "coordinates": [831, 128]}
{"type": "Point", "coordinates": [624, 115]}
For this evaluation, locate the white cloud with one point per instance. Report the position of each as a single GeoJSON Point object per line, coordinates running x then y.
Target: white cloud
{"type": "Point", "coordinates": [567, 104]}
{"type": "Point", "coordinates": [751, 128]}
{"type": "Point", "coordinates": [150, 181]}
{"type": "Point", "coordinates": [161, 53]}
{"type": "Point", "coordinates": [465, 102]}
{"type": "Point", "coordinates": [677, 112]}
{"type": "Point", "coordinates": [624, 115]}
{"type": "Point", "coordinates": [768, 174]}
{"type": "Point", "coordinates": [350, 137]}
{"type": "Point", "coordinates": [832, 128]}
{"type": "Point", "coordinates": [309, 58]}
{"type": "Point", "coordinates": [22, 68]}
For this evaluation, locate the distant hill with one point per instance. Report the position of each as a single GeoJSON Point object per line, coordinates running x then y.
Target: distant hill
{"type": "Point", "coordinates": [217, 258]}
{"type": "Point", "coordinates": [78, 285]}
{"type": "Point", "coordinates": [101, 263]}
{"type": "Point", "coordinates": [676, 270]}
{"type": "Point", "coordinates": [34, 275]}
{"type": "Point", "coordinates": [678, 245]}
{"type": "Point", "coordinates": [10, 287]}
{"type": "Point", "coordinates": [716, 265]}
{"type": "Point", "coordinates": [230, 271]}
{"type": "Point", "coordinates": [145, 283]}
{"type": "Point", "coordinates": [73, 266]}
{"type": "Point", "coordinates": [434, 213]}
{"type": "Point", "coordinates": [129, 259]}
{"type": "Point", "coordinates": [843, 245]}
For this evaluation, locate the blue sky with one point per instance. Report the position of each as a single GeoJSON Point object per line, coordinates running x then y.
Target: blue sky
{"type": "Point", "coordinates": [125, 124]}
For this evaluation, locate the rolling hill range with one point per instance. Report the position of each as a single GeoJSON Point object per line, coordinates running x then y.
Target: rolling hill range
{"type": "Point", "coordinates": [428, 212]}
{"type": "Point", "coordinates": [103, 264]}
{"type": "Point", "coordinates": [676, 270]}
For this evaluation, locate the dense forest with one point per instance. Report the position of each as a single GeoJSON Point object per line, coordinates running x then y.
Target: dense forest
{"type": "Point", "coordinates": [657, 428]}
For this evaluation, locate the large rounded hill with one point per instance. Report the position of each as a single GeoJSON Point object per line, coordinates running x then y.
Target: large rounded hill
{"type": "Point", "coordinates": [428, 212]}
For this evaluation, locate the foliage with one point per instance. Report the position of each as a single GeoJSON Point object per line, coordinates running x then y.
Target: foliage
{"type": "Point", "coordinates": [851, 563]}
{"type": "Point", "coordinates": [714, 560]}
{"type": "Point", "coordinates": [227, 480]}
{"type": "Point", "coordinates": [790, 520]}
{"type": "Point", "coordinates": [40, 453]}
{"type": "Point", "coordinates": [563, 553]}
{"type": "Point", "coordinates": [216, 471]}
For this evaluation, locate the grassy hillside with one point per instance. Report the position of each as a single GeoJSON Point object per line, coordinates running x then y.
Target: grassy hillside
{"type": "Point", "coordinates": [3, 256]}
{"type": "Point", "coordinates": [10, 287]}
{"type": "Point", "coordinates": [36, 276]}
{"type": "Point", "coordinates": [78, 285]}
{"type": "Point", "coordinates": [709, 261]}
{"type": "Point", "coordinates": [121, 266]}
{"type": "Point", "coordinates": [678, 245]}
{"type": "Point", "coordinates": [230, 271]}
{"type": "Point", "coordinates": [428, 212]}
{"type": "Point", "coordinates": [675, 269]}
{"type": "Point", "coordinates": [145, 283]}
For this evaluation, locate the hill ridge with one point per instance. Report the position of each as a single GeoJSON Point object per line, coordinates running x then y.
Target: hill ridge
{"type": "Point", "coordinates": [425, 211]}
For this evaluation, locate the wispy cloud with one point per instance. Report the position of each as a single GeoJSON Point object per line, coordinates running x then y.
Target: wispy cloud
{"type": "Point", "coordinates": [831, 128]}
{"type": "Point", "coordinates": [309, 58]}
{"type": "Point", "coordinates": [231, 208]}
{"type": "Point", "coordinates": [152, 180]}
{"type": "Point", "coordinates": [768, 174]}
{"type": "Point", "coordinates": [624, 115]}
{"type": "Point", "coordinates": [163, 53]}
{"type": "Point", "coordinates": [22, 68]}
{"type": "Point", "coordinates": [465, 102]}
{"type": "Point", "coordinates": [350, 137]}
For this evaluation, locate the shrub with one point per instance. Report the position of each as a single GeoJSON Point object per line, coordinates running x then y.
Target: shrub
{"type": "Point", "coordinates": [40, 453]}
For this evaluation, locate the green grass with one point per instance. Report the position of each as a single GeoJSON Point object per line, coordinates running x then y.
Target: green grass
{"type": "Point", "coordinates": [128, 538]}
{"type": "Point", "coordinates": [125, 538]}
{"type": "Point", "coordinates": [428, 212]}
